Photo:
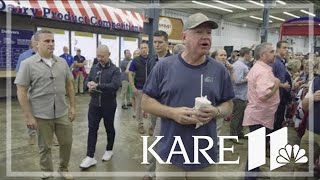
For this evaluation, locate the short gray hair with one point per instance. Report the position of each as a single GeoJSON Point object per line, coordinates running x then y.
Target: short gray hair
{"type": "Point", "coordinates": [260, 49]}
{"type": "Point", "coordinates": [42, 31]}
{"type": "Point", "coordinates": [178, 48]}
{"type": "Point", "coordinates": [103, 48]}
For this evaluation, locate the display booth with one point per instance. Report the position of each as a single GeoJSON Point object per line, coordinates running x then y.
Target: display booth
{"type": "Point", "coordinates": [303, 26]}
{"type": "Point", "coordinates": [76, 24]}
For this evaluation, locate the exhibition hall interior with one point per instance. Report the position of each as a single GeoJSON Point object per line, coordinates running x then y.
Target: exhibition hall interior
{"type": "Point", "coordinates": [204, 89]}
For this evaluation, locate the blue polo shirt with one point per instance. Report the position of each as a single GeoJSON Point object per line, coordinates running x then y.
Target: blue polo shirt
{"type": "Point", "coordinates": [68, 58]}
{"type": "Point", "coordinates": [240, 72]}
{"type": "Point", "coordinates": [279, 71]}
{"type": "Point", "coordinates": [175, 83]}
{"type": "Point", "coordinates": [23, 57]}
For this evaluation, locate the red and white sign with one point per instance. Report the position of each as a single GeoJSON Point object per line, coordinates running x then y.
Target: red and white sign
{"type": "Point", "coordinates": [77, 11]}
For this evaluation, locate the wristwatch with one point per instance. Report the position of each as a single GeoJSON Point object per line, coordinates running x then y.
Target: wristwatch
{"type": "Point", "coordinates": [218, 113]}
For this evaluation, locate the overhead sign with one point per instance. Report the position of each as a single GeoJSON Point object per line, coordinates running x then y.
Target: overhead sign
{"type": "Point", "coordinates": [165, 25]}
{"type": "Point", "coordinates": [78, 11]}
{"type": "Point", "coordinates": [172, 26]}
{"type": "Point", "coordinates": [18, 42]}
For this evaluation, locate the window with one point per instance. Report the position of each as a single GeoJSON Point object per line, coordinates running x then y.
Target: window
{"type": "Point", "coordinates": [87, 43]}
{"type": "Point", "coordinates": [128, 43]}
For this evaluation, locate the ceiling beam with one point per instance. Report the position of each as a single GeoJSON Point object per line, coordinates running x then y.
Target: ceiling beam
{"type": "Point", "coordinates": [259, 13]}
{"type": "Point", "coordinates": [315, 3]}
{"type": "Point", "coordinates": [189, 10]}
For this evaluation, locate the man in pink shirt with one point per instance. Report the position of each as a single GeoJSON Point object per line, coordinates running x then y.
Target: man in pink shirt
{"type": "Point", "coordinates": [262, 88]}
{"type": "Point", "coordinates": [263, 93]}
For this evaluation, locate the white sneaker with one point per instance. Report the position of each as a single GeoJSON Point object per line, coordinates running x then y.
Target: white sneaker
{"type": "Point", "coordinates": [46, 175]}
{"type": "Point", "coordinates": [66, 175]}
{"type": "Point", "coordinates": [107, 156]}
{"type": "Point", "coordinates": [88, 162]}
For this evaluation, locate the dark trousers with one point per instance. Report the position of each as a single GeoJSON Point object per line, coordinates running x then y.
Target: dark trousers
{"type": "Point", "coordinates": [95, 114]}
{"type": "Point", "coordinates": [279, 116]}
{"type": "Point", "coordinates": [238, 112]}
{"type": "Point", "coordinates": [253, 128]}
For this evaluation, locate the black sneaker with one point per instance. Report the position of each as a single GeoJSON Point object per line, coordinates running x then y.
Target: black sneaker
{"type": "Point", "coordinates": [242, 136]}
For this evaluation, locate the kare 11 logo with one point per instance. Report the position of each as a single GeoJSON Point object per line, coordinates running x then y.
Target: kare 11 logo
{"type": "Point", "coordinates": [281, 153]}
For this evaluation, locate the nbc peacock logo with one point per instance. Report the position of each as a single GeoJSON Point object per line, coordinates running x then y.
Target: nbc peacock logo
{"type": "Point", "coordinates": [289, 153]}
{"type": "Point", "coordinates": [281, 152]}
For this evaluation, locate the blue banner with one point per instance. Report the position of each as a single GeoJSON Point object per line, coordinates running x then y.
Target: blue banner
{"type": "Point", "coordinates": [19, 42]}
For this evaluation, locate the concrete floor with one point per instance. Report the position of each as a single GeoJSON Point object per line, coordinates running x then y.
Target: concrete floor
{"type": "Point", "coordinates": [127, 148]}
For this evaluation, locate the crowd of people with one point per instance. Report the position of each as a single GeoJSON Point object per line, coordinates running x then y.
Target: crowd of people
{"type": "Point", "coordinates": [261, 86]}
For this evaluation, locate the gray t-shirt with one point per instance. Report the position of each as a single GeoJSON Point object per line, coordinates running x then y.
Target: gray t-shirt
{"type": "Point", "coordinates": [123, 67]}
{"type": "Point", "coordinates": [175, 83]}
{"type": "Point", "coordinates": [240, 71]}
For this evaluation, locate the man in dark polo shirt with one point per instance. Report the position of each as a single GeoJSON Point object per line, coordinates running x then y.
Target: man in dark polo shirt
{"type": "Point", "coordinates": [160, 43]}
{"type": "Point", "coordinates": [279, 71]}
{"type": "Point", "coordinates": [139, 67]}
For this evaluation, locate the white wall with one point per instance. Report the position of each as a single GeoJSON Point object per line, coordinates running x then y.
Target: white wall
{"type": "Point", "coordinates": [298, 43]}
{"type": "Point", "coordinates": [236, 35]}
{"type": "Point", "coordinates": [273, 37]}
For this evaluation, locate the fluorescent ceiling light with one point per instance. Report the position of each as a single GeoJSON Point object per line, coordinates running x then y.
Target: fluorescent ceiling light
{"type": "Point", "coordinates": [215, 7]}
{"type": "Point", "coordinates": [289, 14]}
{"type": "Point", "coordinates": [277, 18]}
{"type": "Point", "coordinates": [228, 4]}
{"type": "Point", "coordinates": [254, 17]}
{"type": "Point", "coordinates": [281, 2]}
{"type": "Point", "coordinates": [256, 3]}
{"type": "Point", "coordinates": [309, 13]}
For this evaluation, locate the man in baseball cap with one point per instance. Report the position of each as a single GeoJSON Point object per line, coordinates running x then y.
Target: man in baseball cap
{"type": "Point", "coordinates": [197, 36]}
{"type": "Point", "coordinates": [170, 92]}
{"type": "Point", "coordinates": [198, 19]}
